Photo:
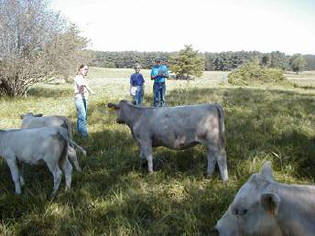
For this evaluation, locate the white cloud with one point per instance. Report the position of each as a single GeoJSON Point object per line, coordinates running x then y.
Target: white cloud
{"type": "Point", "coordinates": [209, 25]}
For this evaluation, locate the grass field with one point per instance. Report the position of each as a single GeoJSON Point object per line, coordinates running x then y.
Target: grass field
{"type": "Point", "coordinates": [114, 196]}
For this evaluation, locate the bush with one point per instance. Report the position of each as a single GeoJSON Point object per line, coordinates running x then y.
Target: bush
{"type": "Point", "coordinates": [35, 45]}
{"type": "Point", "coordinates": [252, 73]}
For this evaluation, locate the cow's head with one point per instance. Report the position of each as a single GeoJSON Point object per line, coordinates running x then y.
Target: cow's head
{"type": "Point", "coordinates": [254, 209]}
{"type": "Point", "coordinates": [120, 111]}
{"type": "Point", "coordinates": [30, 114]}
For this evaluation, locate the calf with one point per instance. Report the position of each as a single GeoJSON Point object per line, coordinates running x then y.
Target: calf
{"type": "Point", "coordinates": [49, 144]}
{"type": "Point", "coordinates": [177, 128]}
{"type": "Point", "coordinates": [267, 208]}
{"type": "Point", "coordinates": [29, 120]}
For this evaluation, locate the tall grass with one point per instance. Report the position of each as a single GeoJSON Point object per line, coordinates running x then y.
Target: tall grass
{"type": "Point", "coordinates": [115, 196]}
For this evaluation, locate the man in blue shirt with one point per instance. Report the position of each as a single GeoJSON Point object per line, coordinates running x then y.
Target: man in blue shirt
{"type": "Point", "coordinates": [159, 73]}
{"type": "Point", "coordinates": [136, 86]}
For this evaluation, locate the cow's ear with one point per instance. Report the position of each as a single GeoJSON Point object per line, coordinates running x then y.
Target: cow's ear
{"type": "Point", "coordinates": [38, 115]}
{"type": "Point", "coordinates": [110, 105]}
{"type": "Point", "coordinates": [270, 202]}
{"type": "Point", "coordinates": [266, 170]}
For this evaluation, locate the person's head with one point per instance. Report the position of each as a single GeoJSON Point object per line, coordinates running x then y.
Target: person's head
{"type": "Point", "coordinates": [158, 61]}
{"type": "Point", "coordinates": [83, 69]}
{"type": "Point", "coordinates": [137, 68]}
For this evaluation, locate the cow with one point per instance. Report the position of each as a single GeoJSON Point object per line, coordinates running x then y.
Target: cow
{"type": "Point", "coordinates": [49, 144]}
{"type": "Point", "coordinates": [30, 120]}
{"type": "Point", "coordinates": [265, 207]}
{"type": "Point", "coordinates": [178, 128]}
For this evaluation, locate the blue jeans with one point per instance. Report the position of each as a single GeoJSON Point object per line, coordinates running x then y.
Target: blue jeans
{"type": "Point", "coordinates": [82, 108]}
{"type": "Point", "coordinates": [138, 98]}
{"type": "Point", "coordinates": [159, 94]}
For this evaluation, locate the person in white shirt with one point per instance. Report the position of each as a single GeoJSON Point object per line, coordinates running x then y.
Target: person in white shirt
{"type": "Point", "coordinates": [81, 94]}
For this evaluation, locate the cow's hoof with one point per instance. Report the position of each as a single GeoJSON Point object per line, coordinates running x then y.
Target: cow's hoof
{"type": "Point", "coordinates": [209, 176]}
{"type": "Point", "coordinates": [158, 164]}
{"type": "Point", "coordinates": [52, 196]}
{"type": "Point", "coordinates": [144, 164]}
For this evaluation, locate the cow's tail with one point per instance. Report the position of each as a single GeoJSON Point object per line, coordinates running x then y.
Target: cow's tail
{"type": "Point", "coordinates": [64, 153]}
{"type": "Point", "coordinates": [65, 134]}
{"type": "Point", "coordinates": [221, 126]}
{"type": "Point", "coordinates": [67, 126]}
{"type": "Point", "coordinates": [77, 146]}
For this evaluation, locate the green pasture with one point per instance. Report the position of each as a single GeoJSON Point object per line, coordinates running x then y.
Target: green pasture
{"type": "Point", "coordinates": [115, 196]}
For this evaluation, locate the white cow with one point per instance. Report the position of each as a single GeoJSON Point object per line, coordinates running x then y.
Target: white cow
{"type": "Point", "coordinates": [29, 120]}
{"type": "Point", "coordinates": [49, 144]}
{"type": "Point", "coordinates": [177, 128]}
{"type": "Point", "coordinates": [265, 207]}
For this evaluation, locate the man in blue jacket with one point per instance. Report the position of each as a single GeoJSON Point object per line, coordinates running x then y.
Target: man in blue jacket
{"type": "Point", "coordinates": [159, 73]}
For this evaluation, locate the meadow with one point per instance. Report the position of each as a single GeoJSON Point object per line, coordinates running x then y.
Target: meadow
{"type": "Point", "coordinates": [114, 195]}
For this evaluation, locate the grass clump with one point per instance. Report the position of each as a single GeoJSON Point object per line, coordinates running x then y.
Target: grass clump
{"type": "Point", "coordinates": [252, 73]}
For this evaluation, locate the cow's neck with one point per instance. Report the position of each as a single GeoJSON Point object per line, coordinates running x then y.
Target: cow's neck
{"type": "Point", "coordinates": [132, 115]}
{"type": "Point", "coordinates": [297, 209]}
{"type": "Point", "coordinates": [2, 139]}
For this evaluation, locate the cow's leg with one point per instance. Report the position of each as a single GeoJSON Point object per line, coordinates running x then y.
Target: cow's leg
{"type": "Point", "coordinates": [73, 156]}
{"type": "Point", "coordinates": [146, 149]}
{"type": "Point", "coordinates": [57, 174]}
{"type": "Point", "coordinates": [21, 172]}
{"type": "Point", "coordinates": [221, 159]}
{"type": "Point", "coordinates": [217, 155]}
{"type": "Point", "coordinates": [14, 174]}
{"type": "Point", "coordinates": [67, 169]}
{"type": "Point", "coordinates": [142, 159]}
{"type": "Point", "coordinates": [211, 160]}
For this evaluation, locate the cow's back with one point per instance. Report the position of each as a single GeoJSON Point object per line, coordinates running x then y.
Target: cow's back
{"type": "Point", "coordinates": [180, 127]}
{"type": "Point", "coordinates": [32, 144]}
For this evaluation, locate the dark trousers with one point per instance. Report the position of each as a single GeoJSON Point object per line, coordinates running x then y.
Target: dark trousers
{"type": "Point", "coordinates": [159, 94]}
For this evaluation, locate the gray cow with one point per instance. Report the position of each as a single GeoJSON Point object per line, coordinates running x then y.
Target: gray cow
{"type": "Point", "coordinates": [49, 144]}
{"type": "Point", "coordinates": [29, 120]}
{"type": "Point", "coordinates": [265, 207]}
{"type": "Point", "coordinates": [178, 127]}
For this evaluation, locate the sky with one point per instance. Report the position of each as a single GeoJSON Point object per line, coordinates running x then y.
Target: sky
{"type": "Point", "coordinates": [208, 25]}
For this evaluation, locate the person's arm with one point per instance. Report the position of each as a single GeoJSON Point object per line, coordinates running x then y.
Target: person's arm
{"type": "Point", "coordinates": [142, 79]}
{"type": "Point", "coordinates": [90, 90]}
{"type": "Point", "coordinates": [165, 71]}
{"type": "Point", "coordinates": [154, 75]}
{"type": "Point", "coordinates": [131, 80]}
{"type": "Point", "coordinates": [79, 86]}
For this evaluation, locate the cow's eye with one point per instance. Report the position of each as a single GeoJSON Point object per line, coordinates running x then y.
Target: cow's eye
{"type": "Point", "coordinates": [239, 211]}
{"type": "Point", "coordinates": [244, 211]}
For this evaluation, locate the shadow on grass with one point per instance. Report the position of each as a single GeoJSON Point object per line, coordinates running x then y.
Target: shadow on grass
{"type": "Point", "coordinates": [114, 195]}
{"type": "Point", "coordinates": [52, 91]}
{"type": "Point", "coordinates": [259, 123]}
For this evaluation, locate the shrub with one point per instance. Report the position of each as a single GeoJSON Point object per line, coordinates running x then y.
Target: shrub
{"type": "Point", "coordinates": [252, 73]}
{"type": "Point", "coordinates": [35, 45]}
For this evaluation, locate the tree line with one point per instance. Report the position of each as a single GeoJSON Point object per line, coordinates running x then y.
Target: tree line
{"type": "Point", "coordinates": [36, 44]}
{"type": "Point", "coordinates": [223, 61]}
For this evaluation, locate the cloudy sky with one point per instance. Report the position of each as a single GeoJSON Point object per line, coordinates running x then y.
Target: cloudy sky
{"type": "Point", "coordinates": [209, 25]}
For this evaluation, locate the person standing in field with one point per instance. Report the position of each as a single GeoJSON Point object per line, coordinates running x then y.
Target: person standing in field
{"type": "Point", "coordinates": [81, 94]}
{"type": "Point", "coordinates": [159, 73]}
{"type": "Point", "coordinates": [136, 86]}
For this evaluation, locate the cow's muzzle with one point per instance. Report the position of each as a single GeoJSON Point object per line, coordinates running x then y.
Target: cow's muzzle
{"type": "Point", "coordinates": [120, 121]}
{"type": "Point", "coordinates": [214, 232]}
{"type": "Point", "coordinates": [112, 105]}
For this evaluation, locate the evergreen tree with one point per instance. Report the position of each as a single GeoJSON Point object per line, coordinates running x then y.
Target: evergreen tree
{"type": "Point", "coordinates": [188, 63]}
{"type": "Point", "coordinates": [297, 63]}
